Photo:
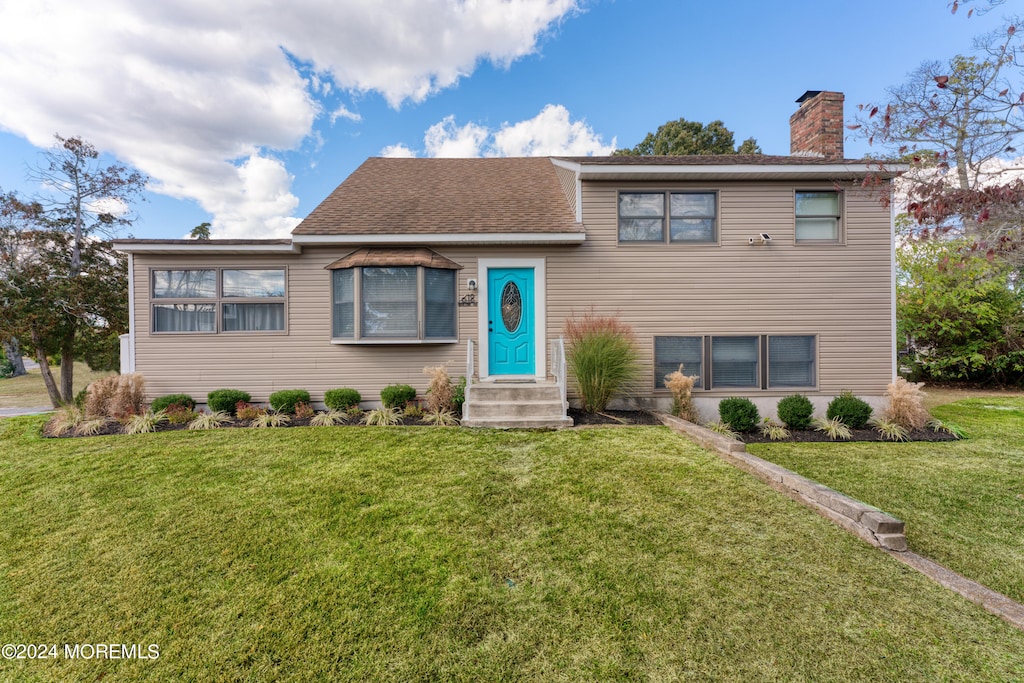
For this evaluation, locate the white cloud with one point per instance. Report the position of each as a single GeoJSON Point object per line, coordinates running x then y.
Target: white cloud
{"type": "Point", "coordinates": [398, 151]}
{"type": "Point", "coordinates": [549, 133]}
{"type": "Point", "coordinates": [343, 112]}
{"type": "Point", "coordinates": [198, 94]}
{"type": "Point", "coordinates": [445, 139]}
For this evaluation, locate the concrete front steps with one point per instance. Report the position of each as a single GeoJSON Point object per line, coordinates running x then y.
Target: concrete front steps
{"type": "Point", "coordinates": [515, 405]}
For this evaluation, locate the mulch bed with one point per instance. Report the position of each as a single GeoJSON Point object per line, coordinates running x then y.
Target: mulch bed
{"type": "Point", "coordinates": [812, 436]}
{"type": "Point", "coordinates": [115, 427]}
{"type": "Point", "coordinates": [581, 418]}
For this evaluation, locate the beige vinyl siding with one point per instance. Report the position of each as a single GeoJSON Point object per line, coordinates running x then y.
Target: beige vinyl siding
{"type": "Point", "coordinates": [567, 179]}
{"type": "Point", "coordinates": [840, 293]}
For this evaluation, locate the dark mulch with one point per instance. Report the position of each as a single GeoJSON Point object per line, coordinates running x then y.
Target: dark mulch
{"type": "Point", "coordinates": [114, 427]}
{"type": "Point", "coordinates": [613, 417]}
{"type": "Point", "coordinates": [812, 436]}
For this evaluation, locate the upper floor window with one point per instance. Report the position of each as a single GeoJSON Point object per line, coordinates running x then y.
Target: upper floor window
{"type": "Point", "coordinates": [225, 300]}
{"type": "Point", "coordinates": [818, 216]}
{"type": "Point", "coordinates": [675, 217]}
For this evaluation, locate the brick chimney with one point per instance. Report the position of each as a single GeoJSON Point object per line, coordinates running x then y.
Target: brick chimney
{"type": "Point", "coordinates": [816, 128]}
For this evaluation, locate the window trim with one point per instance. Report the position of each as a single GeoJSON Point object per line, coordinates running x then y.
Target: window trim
{"type": "Point", "coordinates": [357, 337]}
{"type": "Point", "coordinates": [763, 367]}
{"type": "Point", "coordinates": [840, 238]}
{"type": "Point", "coordinates": [666, 219]}
{"type": "Point", "coordinates": [217, 300]}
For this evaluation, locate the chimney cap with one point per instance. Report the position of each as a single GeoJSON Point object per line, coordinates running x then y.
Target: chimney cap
{"type": "Point", "coordinates": [810, 94]}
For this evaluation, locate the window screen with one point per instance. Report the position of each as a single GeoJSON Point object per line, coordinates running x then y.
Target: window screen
{"type": "Point", "coordinates": [670, 352]}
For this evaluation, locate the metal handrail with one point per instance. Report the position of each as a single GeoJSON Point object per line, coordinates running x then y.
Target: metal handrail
{"type": "Point", "coordinates": [469, 377]}
{"type": "Point", "coordinates": [558, 368]}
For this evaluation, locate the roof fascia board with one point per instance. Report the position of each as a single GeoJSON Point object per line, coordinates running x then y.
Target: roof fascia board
{"type": "Point", "coordinates": [177, 248]}
{"type": "Point", "coordinates": [449, 238]}
{"type": "Point", "coordinates": [597, 170]}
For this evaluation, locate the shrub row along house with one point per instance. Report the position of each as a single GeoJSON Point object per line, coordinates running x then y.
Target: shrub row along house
{"type": "Point", "coordinates": [763, 275]}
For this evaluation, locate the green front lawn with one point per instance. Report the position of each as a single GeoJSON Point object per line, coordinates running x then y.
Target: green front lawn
{"type": "Point", "coordinates": [963, 501]}
{"type": "Point", "coordinates": [29, 391]}
{"type": "Point", "coordinates": [447, 554]}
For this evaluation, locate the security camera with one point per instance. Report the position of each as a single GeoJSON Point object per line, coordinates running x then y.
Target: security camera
{"type": "Point", "coordinates": [750, 240]}
{"type": "Point", "coordinates": [471, 285]}
{"type": "Point", "coordinates": [765, 238]}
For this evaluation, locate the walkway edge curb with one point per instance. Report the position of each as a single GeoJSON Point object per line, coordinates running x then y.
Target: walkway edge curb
{"type": "Point", "coordinates": [864, 521]}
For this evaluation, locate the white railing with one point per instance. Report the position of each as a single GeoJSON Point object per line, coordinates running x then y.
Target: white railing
{"type": "Point", "coordinates": [558, 368]}
{"type": "Point", "coordinates": [469, 377]}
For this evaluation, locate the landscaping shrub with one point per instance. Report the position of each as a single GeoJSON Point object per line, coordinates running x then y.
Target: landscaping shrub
{"type": "Point", "coordinates": [116, 396]}
{"type": "Point", "coordinates": [247, 411]}
{"type": "Point", "coordinates": [342, 399]}
{"type": "Point", "coordinates": [602, 356]}
{"type": "Point", "coordinates": [397, 395]}
{"type": "Point", "coordinates": [739, 413]}
{"type": "Point", "coordinates": [165, 402]}
{"type": "Point", "coordinates": [303, 410]}
{"type": "Point", "coordinates": [906, 405]}
{"type": "Point", "coordinates": [224, 400]}
{"type": "Point", "coordinates": [681, 387]}
{"type": "Point", "coordinates": [439, 391]}
{"type": "Point", "coordinates": [178, 414]}
{"type": "Point", "coordinates": [795, 411]}
{"type": "Point", "coordinates": [284, 401]}
{"type": "Point", "coordinates": [459, 395]}
{"type": "Point", "coordinates": [853, 411]}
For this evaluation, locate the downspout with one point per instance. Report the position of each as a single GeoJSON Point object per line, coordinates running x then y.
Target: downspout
{"type": "Point", "coordinates": [131, 312]}
{"type": "Point", "coordinates": [892, 279]}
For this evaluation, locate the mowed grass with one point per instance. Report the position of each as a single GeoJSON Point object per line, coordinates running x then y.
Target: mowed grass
{"type": "Point", "coordinates": [963, 501]}
{"type": "Point", "coordinates": [399, 554]}
{"type": "Point", "coordinates": [29, 391]}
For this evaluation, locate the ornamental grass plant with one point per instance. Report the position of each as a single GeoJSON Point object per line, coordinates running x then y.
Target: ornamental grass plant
{"type": "Point", "coordinates": [602, 356]}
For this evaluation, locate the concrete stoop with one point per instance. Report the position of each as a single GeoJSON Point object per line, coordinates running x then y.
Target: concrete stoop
{"type": "Point", "coordinates": [526, 405]}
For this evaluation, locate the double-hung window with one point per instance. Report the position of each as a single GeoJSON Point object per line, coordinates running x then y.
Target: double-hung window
{"type": "Point", "coordinates": [397, 303]}
{"type": "Point", "coordinates": [818, 216]}
{"type": "Point", "coordinates": [218, 300]}
{"type": "Point", "coordinates": [672, 217]}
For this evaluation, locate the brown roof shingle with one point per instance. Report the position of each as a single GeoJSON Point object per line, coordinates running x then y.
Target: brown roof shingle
{"type": "Point", "coordinates": [438, 196]}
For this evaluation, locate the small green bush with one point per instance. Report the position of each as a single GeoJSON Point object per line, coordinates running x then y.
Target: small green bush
{"type": "Point", "coordinates": [341, 399]}
{"type": "Point", "coordinates": [224, 400]}
{"type": "Point", "coordinates": [853, 411]}
{"type": "Point", "coordinates": [165, 402]}
{"type": "Point", "coordinates": [284, 401]}
{"type": "Point", "coordinates": [397, 395]}
{"type": "Point", "coordinates": [739, 413]}
{"type": "Point", "coordinates": [458, 396]}
{"type": "Point", "coordinates": [795, 411]}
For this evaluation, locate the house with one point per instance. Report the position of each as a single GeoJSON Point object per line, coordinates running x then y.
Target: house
{"type": "Point", "coordinates": [764, 275]}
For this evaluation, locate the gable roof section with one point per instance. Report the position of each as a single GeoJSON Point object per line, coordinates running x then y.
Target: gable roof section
{"type": "Point", "coordinates": [457, 198]}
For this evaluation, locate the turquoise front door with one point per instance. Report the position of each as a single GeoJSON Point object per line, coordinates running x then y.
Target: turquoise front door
{"type": "Point", "coordinates": [510, 322]}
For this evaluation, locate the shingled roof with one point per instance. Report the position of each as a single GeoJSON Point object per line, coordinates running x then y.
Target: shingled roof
{"type": "Point", "coordinates": [435, 196]}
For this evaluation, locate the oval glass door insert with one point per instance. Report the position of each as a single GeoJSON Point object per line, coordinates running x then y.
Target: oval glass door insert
{"type": "Point", "coordinates": [511, 306]}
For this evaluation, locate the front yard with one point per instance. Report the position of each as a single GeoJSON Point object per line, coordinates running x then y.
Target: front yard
{"type": "Point", "coordinates": [963, 501]}
{"type": "Point", "coordinates": [419, 553]}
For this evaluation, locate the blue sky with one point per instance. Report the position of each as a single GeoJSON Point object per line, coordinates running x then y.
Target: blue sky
{"type": "Point", "coordinates": [249, 118]}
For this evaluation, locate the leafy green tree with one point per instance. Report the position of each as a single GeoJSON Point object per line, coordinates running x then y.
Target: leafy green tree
{"type": "Point", "coordinates": [64, 288]}
{"type": "Point", "coordinates": [200, 232]}
{"type": "Point", "coordinates": [682, 137]}
{"type": "Point", "coordinates": [959, 312]}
